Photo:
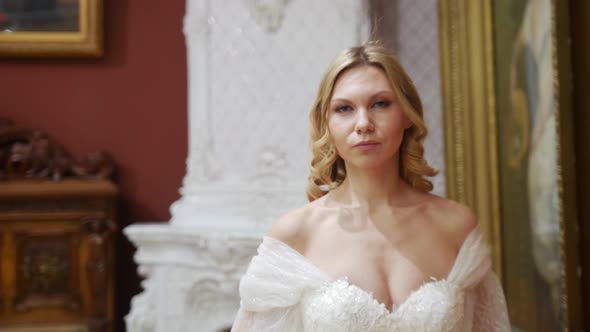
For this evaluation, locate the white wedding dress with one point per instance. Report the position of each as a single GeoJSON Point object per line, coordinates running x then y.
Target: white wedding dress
{"type": "Point", "coordinates": [283, 291]}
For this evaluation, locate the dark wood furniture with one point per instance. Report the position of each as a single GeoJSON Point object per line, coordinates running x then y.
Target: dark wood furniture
{"type": "Point", "coordinates": [56, 255]}
{"type": "Point", "coordinates": [57, 218]}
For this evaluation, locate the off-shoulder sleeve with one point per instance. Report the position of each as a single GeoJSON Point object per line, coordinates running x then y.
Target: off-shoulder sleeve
{"type": "Point", "coordinates": [486, 306]}
{"type": "Point", "coordinates": [490, 313]}
{"type": "Point", "coordinates": [473, 261]}
{"type": "Point", "coordinates": [272, 287]}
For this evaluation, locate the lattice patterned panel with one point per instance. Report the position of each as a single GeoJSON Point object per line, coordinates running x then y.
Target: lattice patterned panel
{"type": "Point", "coordinates": [419, 53]}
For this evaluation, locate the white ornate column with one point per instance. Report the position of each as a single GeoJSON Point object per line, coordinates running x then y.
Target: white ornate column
{"type": "Point", "coordinates": [254, 68]}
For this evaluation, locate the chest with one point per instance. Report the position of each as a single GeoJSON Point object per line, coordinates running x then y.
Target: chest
{"type": "Point", "coordinates": [370, 262]}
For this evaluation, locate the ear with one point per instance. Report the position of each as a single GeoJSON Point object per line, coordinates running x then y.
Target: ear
{"type": "Point", "coordinates": [407, 122]}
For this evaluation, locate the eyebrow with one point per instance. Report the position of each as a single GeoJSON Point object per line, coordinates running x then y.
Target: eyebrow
{"type": "Point", "coordinates": [389, 92]}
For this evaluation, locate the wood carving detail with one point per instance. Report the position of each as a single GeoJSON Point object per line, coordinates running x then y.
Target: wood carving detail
{"type": "Point", "coordinates": [46, 271]}
{"type": "Point", "coordinates": [99, 231]}
{"type": "Point", "coordinates": [29, 153]}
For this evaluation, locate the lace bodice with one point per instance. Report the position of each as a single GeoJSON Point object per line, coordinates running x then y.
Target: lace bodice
{"type": "Point", "coordinates": [283, 291]}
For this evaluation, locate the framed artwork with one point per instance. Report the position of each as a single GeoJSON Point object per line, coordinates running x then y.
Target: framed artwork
{"type": "Point", "coordinates": [508, 120]}
{"type": "Point", "coordinates": [51, 28]}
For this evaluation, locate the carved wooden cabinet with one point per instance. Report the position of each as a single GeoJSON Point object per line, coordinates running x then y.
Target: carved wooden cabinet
{"type": "Point", "coordinates": [56, 255]}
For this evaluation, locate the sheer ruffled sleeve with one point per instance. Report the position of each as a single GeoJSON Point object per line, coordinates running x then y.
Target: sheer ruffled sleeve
{"type": "Point", "coordinates": [472, 262]}
{"type": "Point", "coordinates": [485, 305]}
{"type": "Point", "coordinates": [272, 287]}
{"type": "Point", "coordinates": [490, 313]}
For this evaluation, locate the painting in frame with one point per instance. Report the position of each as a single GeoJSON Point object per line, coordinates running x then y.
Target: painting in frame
{"type": "Point", "coordinates": [509, 148]}
{"type": "Point", "coordinates": [51, 28]}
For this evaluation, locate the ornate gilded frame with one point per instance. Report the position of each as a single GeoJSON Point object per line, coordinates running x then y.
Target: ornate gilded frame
{"type": "Point", "coordinates": [471, 134]}
{"type": "Point", "coordinates": [85, 43]}
{"type": "Point", "coordinates": [468, 104]}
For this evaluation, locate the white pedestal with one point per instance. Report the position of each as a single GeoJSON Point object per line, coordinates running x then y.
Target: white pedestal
{"type": "Point", "coordinates": [191, 277]}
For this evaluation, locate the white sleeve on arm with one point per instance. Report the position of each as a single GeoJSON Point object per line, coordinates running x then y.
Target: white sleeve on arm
{"type": "Point", "coordinates": [272, 288]}
{"type": "Point", "coordinates": [490, 311]}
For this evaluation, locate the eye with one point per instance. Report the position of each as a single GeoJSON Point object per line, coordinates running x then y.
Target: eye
{"type": "Point", "coordinates": [343, 109]}
{"type": "Point", "coordinates": [382, 104]}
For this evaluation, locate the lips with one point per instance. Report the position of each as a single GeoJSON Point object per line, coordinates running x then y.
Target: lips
{"type": "Point", "coordinates": [366, 144]}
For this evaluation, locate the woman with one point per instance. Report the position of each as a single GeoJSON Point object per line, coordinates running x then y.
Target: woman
{"type": "Point", "coordinates": [373, 250]}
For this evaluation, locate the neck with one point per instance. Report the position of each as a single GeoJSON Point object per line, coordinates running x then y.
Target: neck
{"type": "Point", "coordinates": [372, 187]}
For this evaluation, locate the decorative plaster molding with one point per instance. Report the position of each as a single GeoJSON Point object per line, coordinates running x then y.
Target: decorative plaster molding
{"type": "Point", "coordinates": [192, 277]}
{"type": "Point", "coordinates": [268, 14]}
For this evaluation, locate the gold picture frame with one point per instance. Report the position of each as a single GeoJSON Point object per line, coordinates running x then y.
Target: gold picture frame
{"type": "Point", "coordinates": [85, 41]}
{"type": "Point", "coordinates": [482, 111]}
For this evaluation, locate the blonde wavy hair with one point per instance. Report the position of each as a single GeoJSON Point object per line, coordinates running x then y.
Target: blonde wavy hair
{"type": "Point", "coordinates": [327, 167]}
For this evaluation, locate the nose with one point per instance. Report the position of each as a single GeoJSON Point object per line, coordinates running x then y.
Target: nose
{"type": "Point", "coordinates": [364, 123]}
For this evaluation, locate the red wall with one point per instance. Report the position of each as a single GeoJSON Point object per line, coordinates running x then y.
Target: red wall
{"type": "Point", "coordinates": [131, 103]}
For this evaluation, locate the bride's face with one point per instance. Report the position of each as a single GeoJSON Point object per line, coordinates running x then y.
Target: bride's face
{"type": "Point", "coordinates": [365, 120]}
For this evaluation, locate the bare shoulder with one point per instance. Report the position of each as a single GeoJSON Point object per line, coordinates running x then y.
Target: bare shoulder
{"type": "Point", "coordinates": [454, 219]}
{"type": "Point", "coordinates": [293, 228]}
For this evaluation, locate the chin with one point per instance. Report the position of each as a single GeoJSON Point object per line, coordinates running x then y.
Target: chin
{"type": "Point", "coordinates": [369, 164]}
